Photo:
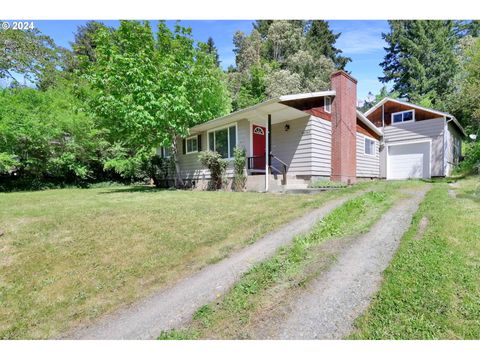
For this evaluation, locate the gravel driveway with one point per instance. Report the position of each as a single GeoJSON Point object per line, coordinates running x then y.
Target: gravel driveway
{"type": "Point", "coordinates": [329, 307]}
{"type": "Point", "coordinates": [175, 306]}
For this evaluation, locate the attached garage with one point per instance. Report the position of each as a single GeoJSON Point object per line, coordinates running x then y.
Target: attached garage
{"type": "Point", "coordinates": [409, 160]}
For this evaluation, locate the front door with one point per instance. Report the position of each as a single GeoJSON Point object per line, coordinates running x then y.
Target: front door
{"type": "Point", "coordinates": [258, 140]}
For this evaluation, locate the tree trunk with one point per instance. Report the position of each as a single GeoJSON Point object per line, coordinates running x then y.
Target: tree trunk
{"type": "Point", "coordinates": [178, 178]}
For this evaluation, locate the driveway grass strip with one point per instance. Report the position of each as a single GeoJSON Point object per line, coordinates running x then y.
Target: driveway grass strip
{"type": "Point", "coordinates": [236, 314]}
{"type": "Point", "coordinates": [431, 290]}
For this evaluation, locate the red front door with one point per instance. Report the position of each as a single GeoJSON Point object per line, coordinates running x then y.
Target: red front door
{"type": "Point", "coordinates": [258, 140]}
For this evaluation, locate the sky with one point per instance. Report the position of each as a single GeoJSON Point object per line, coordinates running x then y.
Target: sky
{"type": "Point", "coordinates": [360, 40]}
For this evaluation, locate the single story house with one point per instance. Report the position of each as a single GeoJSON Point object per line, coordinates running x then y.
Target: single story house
{"type": "Point", "coordinates": [322, 135]}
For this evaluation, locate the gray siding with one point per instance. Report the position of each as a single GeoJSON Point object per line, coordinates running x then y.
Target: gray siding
{"type": "Point", "coordinates": [453, 147]}
{"type": "Point", "coordinates": [418, 130]}
{"type": "Point", "coordinates": [321, 137]}
{"type": "Point", "coordinates": [305, 147]}
{"type": "Point", "coordinates": [294, 146]}
{"type": "Point", "coordinates": [368, 166]}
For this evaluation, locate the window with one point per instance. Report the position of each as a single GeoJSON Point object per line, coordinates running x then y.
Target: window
{"type": "Point", "coordinates": [223, 141]}
{"type": "Point", "coordinates": [328, 104]}
{"type": "Point", "coordinates": [369, 146]}
{"type": "Point", "coordinates": [192, 144]}
{"type": "Point", "coordinates": [403, 116]}
{"type": "Point", "coordinates": [165, 152]}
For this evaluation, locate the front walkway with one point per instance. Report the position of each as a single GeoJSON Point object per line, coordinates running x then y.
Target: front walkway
{"type": "Point", "coordinates": [174, 307]}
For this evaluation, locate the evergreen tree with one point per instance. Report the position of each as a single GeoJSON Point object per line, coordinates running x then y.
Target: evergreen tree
{"type": "Point", "coordinates": [420, 59]}
{"type": "Point", "coordinates": [211, 49]}
{"type": "Point", "coordinates": [320, 40]}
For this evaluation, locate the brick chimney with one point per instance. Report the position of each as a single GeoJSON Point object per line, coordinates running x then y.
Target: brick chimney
{"type": "Point", "coordinates": [344, 128]}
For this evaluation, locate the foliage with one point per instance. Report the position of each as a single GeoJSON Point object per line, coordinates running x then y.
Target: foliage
{"type": "Point", "coordinates": [150, 90]}
{"type": "Point", "coordinates": [383, 93]}
{"type": "Point", "coordinates": [211, 49]}
{"type": "Point", "coordinates": [280, 57]}
{"type": "Point", "coordinates": [214, 162]}
{"type": "Point", "coordinates": [8, 163]}
{"type": "Point", "coordinates": [28, 54]}
{"type": "Point", "coordinates": [464, 101]}
{"type": "Point", "coordinates": [420, 58]}
{"type": "Point", "coordinates": [47, 135]}
{"type": "Point", "coordinates": [239, 161]}
{"type": "Point", "coordinates": [471, 161]}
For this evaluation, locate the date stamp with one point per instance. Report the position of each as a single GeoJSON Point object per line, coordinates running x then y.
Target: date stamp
{"type": "Point", "coordinates": [17, 25]}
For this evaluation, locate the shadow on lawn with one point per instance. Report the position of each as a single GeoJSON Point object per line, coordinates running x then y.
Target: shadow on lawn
{"type": "Point", "coordinates": [137, 188]}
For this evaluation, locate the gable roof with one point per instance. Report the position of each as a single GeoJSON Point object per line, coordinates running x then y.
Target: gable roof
{"type": "Point", "coordinates": [415, 106]}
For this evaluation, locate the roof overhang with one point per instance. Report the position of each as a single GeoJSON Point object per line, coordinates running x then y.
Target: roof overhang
{"type": "Point", "coordinates": [368, 123]}
{"type": "Point", "coordinates": [260, 112]}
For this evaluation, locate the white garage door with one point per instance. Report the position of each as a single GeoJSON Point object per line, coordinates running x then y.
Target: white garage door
{"type": "Point", "coordinates": [409, 161]}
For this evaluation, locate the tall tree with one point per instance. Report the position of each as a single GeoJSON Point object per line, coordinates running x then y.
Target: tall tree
{"type": "Point", "coordinates": [150, 90]}
{"type": "Point", "coordinates": [420, 58]}
{"type": "Point", "coordinates": [26, 53]}
{"type": "Point", "coordinates": [320, 40]}
{"type": "Point", "coordinates": [212, 50]}
{"type": "Point", "coordinates": [282, 56]}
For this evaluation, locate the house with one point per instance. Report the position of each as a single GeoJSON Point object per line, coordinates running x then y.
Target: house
{"type": "Point", "coordinates": [322, 135]}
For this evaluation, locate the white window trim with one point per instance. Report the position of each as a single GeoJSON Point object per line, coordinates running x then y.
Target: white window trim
{"type": "Point", "coordinates": [401, 112]}
{"type": "Point", "coordinates": [328, 109]}
{"type": "Point", "coordinates": [186, 144]}
{"type": "Point", "coordinates": [374, 146]}
{"type": "Point", "coordinates": [163, 152]}
{"type": "Point", "coordinates": [228, 137]}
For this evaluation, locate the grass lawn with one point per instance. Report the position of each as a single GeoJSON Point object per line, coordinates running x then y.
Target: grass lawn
{"type": "Point", "coordinates": [431, 290]}
{"type": "Point", "coordinates": [71, 255]}
{"type": "Point", "coordinates": [253, 305]}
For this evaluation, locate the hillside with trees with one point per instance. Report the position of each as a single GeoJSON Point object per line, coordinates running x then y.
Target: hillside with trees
{"type": "Point", "coordinates": [96, 112]}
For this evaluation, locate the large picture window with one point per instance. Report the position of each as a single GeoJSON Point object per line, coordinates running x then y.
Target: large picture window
{"type": "Point", "coordinates": [223, 141]}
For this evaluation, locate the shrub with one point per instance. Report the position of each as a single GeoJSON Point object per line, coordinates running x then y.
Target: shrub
{"type": "Point", "coordinates": [239, 178]}
{"type": "Point", "coordinates": [471, 162]}
{"type": "Point", "coordinates": [213, 161]}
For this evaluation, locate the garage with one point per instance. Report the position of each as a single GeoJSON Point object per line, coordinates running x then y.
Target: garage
{"type": "Point", "coordinates": [408, 161]}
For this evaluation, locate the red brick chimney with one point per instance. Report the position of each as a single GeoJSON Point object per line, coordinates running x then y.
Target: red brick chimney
{"type": "Point", "coordinates": [344, 128]}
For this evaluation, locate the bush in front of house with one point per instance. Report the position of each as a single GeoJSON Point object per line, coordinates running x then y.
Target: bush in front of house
{"type": "Point", "coordinates": [217, 166]}
{"type": "Point", "coordinates": [239, 177]}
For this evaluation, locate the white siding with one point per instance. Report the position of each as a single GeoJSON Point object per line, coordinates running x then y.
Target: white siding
{"type": "Point", "coordinates": [368, 166]}
{"type": "Point", "coordinates": [418, 130]}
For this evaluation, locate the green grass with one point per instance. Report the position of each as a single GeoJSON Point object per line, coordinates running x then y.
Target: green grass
{"type": "Point", "coordinates": [260, 291]}
{"type": "Point", "coordinates": [431, 290]}
{"type": "Point", "coordinates": [326, 184]}
{"type": "Point", "coordinates": [71, 255]}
